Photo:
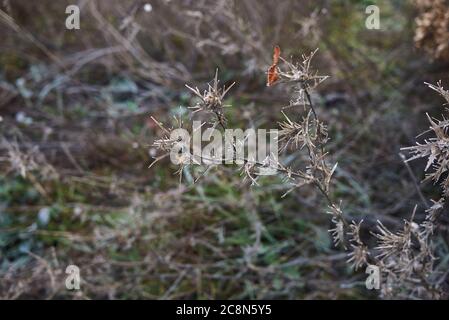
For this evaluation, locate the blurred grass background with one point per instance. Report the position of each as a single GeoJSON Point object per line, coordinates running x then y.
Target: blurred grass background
{"type": "Point", "coordinates": [75, 187]}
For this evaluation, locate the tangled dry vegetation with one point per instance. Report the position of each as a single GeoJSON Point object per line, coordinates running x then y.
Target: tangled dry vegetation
{"type": "Point", "coordinates": [76, 141]}
{"type": "Point", "coordinates": [432, 27]}
{"type": "Point", "coordinates": [405, 257]}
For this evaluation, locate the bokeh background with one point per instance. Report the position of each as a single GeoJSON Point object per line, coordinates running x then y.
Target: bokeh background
{"type": "Point", "coordinates": [76, 135]}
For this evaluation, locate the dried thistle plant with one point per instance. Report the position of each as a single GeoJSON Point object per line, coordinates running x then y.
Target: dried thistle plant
{"type": "Point", "coordinates": [211, 100]}
{"type": "Point", "coordinates": [436, 148]}
{"type": "Point", "coordinates": [405, 257]}
{"type": "Point", "coordinates": [308, 133]}
{"type": "Point", "coordinates": [338, 232]}
{"type": "Point", "coordinates": [166, 144]}
{"type": "Point", "coordinates": [358, 257]}
{"type": "Point", "coordinates": [406, 261]}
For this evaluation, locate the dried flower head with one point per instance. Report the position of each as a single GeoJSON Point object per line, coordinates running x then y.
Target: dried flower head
{"type": "Point", "coordinates": [309, 132]}
{"type": "Point", "coordinates": [436, 148]}
{"type": "Point", "coordinates": [358, 257]}
{"type": "Point", "coordinates": [211, 100]}
{"type": "Point", "coordinates": [430, 223]}
{"type": "Point", "coordinates": [338, 232]}
{"type": "Point", "coordinates": [167, 144]}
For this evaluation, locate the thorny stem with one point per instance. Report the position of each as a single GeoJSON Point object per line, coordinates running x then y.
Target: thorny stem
{"type": "Point", "coordinates": [221, 122]}
{"type": "Point", "coordinates": [309, 100]}
{"type": "Point", "coordinates": [220, 119]}
{"type": "Point", "coordinates": [317, 183]}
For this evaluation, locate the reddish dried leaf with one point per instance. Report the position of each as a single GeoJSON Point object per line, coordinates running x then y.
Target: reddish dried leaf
{"type": "Point", "coordinates": [272, 74]}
